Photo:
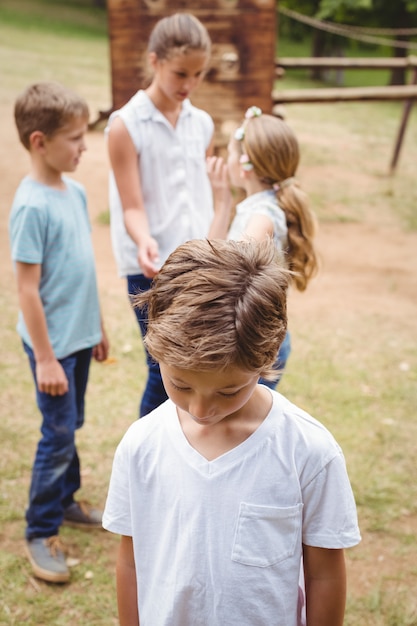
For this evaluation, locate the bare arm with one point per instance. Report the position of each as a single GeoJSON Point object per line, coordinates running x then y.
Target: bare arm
{"type": "Point", "coordinates": [259, 227]}
{"type": "Point", "coordinates": [126, 584]}
{"type": "Point", "coordinates": [222, 197]}
{"type": "Point", "coordinates": [50, 375]}
{"type": "Point", "coordinates": [124, 163]}
{"type": "Point", "coordinates": [325, 582]}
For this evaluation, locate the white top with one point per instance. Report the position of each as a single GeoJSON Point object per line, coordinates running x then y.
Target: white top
{"type": "Point", "coordinates": [260, 203]}
{"type": "Point", "coordinates": [51, 227]}
{"type": "Point", "coordinates": [175, 186]}
{"type": "Point", "coordinates": [219, 542]}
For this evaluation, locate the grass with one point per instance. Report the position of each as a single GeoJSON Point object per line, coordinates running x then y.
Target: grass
{"type": "Point", "coordinates": [74, 19]}
{"type": "Point", "coordinates": [353, 368]}
{"type": "Point", "coordinates": [54, 40]}
{"type": "Point", "coordinates": [370, 146]}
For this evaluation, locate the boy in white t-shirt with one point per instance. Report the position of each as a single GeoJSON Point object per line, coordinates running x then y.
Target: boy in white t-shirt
{"type": "Point", "coordinates": [226, 489]}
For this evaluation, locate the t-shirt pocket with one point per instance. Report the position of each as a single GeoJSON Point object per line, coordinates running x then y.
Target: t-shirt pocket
{"type": "Point", "coordinates": [266, 535]}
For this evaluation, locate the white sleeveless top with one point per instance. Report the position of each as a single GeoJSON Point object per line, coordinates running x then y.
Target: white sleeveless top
{"type": "Point", "coordinates": [175, 186]}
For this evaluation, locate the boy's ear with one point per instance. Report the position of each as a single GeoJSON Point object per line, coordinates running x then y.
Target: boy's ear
{"type": "Point", "coordinates": [37, 140]}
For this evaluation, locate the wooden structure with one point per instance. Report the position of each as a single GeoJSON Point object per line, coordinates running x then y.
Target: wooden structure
{"type": "Point", "coordinates": [242, 70]}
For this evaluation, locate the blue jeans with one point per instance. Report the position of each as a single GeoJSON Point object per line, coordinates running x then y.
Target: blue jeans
{"type": "Point", "coordinates": [280, 363]}
{"type": "Point", "coordinates": [56, 469]}
{"type": "Point", "coordinates": [154, 393]}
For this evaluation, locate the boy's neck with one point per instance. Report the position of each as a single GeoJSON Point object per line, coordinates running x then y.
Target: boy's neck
{"type": "Point", "coordinates": [46, 176]}
{"type": "Point", "coordinates": [214, 441]}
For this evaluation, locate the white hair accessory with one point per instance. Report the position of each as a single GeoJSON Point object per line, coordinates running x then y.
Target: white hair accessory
{"type": "Point", "coordinates": [250, 113]}
{"type": "Point", "coordinates": [245, 163]}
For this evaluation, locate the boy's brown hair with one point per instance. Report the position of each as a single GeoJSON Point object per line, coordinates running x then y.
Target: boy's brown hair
{"type": "Point", "coordinates": [47, 107]}
{"type": "Point", "coordinates": [216, 304]}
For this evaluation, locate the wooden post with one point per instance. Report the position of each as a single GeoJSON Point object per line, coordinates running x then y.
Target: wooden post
{"type": "Point", "coordinates": [403, 125]}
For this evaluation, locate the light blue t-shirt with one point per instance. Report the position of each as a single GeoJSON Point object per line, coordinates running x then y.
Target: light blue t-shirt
{"type": "Point", "coordinates": [51, 228]}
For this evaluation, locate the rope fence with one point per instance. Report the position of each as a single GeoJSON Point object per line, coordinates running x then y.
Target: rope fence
{"type": "Point", "coordinates": [353, 32]}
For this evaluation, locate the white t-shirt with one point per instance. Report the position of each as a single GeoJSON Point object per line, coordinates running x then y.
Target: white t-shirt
{"type": "Point", "coordinates": [172, 166]}
{"type": "Point", "coordinates": [219, 542]}
{"type": "Point", "coordinates": [260, 203]}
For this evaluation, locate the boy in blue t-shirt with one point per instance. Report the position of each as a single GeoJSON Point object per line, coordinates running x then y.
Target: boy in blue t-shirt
{"type": "Point", "coordinates": [59, 317]}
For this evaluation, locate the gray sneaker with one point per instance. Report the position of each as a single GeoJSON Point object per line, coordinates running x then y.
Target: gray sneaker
{"type": "Point", "coordinates": [47, 559]}
{"type": "Point", "coordinates": [82, 515]}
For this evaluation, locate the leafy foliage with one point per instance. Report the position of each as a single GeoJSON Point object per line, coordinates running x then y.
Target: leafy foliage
{"type": "Point", "coordinates": [372, 13]}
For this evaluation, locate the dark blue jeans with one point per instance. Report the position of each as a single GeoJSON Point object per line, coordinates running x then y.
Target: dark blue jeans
{"type": "Point", "coordinates": [154, 393]}
{"type": "Point", "coordinates": [280, 363]}
{"type": "Point", "coordinates": [56, 469]}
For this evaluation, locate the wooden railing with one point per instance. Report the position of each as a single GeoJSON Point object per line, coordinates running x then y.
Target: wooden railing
{"type": "Point", "coordinates": [407, 93]}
